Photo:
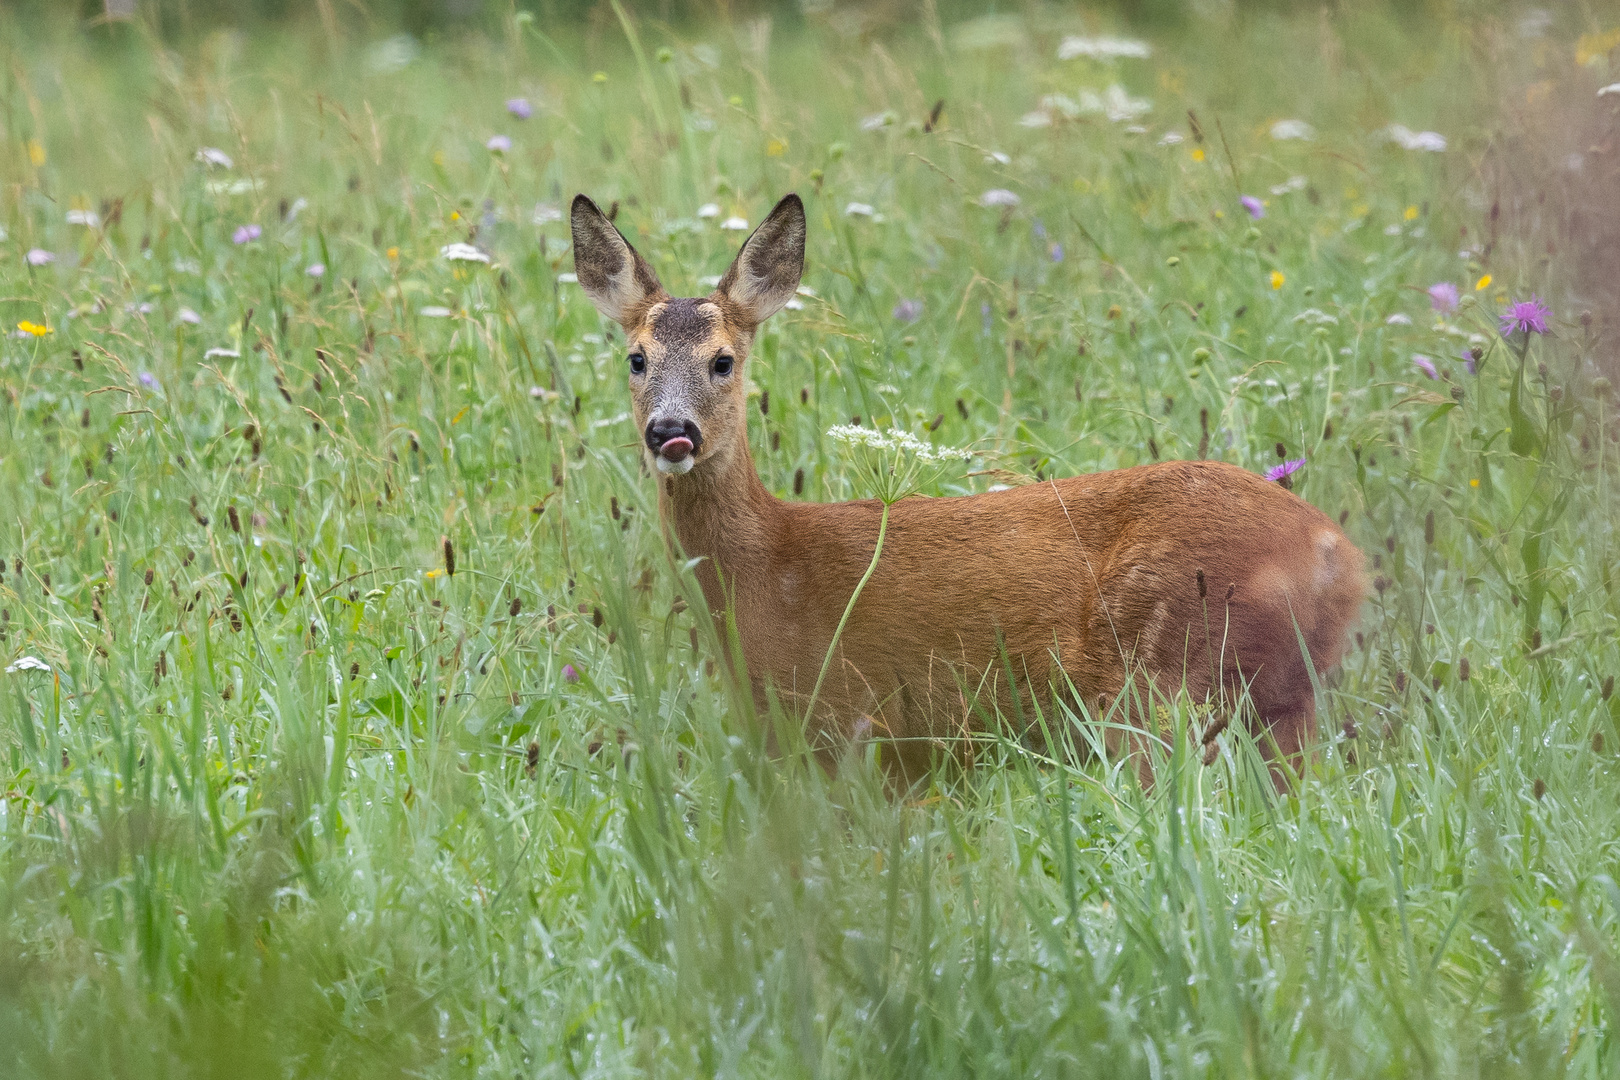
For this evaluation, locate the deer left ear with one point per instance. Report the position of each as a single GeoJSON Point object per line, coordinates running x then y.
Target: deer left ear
{"type": "Point", "coordinates": [612, 273]}
{"type": "Point", "coordinates": [767, 269]}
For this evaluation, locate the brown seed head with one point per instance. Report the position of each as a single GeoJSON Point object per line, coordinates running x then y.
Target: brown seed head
{"type": "Point", "coordinates": [449, 556]}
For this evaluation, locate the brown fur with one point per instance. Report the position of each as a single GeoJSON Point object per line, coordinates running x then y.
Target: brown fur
{"type": "Point", "coordinates": [1089, 581]}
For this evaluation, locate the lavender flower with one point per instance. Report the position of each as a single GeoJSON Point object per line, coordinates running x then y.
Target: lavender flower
{"type": "Point", "coordinates": [1425, 365]}
{"type": "Point", "coordinates": [40, 257]}
{"type": "Point", "coordinates": [1443, 296]}
{"type": "Point", "coordinates": [908, 311]}
{"type": "Point", "coordinates": [520, 108]}
{"type": "Point", "coordinates": [316, 270]}
{"type": "Point", "coordinates": [189, 317]}
{"type": "Point", "coordinates": [1525, 317]}
{"type": "Point", "coordinates": [1280, 473]}
{"type": "Point", "coordinates": [570, 673]}
{"type": "Point", "coordinates": [1254, 206]}
{"type": "Point", "coordinates": [148, 380]}
{"type": "Point", "coordinates": [246, 234]}
{"type": "Point", "coordinates": [498, 144]}
{"type": "Point", "coordinates": [1470, 361]}
{"type": "Point", "coordinates": [1056, 253]}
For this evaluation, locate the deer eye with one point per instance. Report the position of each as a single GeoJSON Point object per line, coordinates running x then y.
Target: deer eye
{"type": "Point", "coordinates": [638, 363]}
{"type": "Point", "coordinates": [723, 364]}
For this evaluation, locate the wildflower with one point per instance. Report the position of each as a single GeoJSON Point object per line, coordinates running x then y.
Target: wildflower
{"type": "Point", "coordinates": [570, 673]}
{"type": "Point", "coordinates": [33, 329]}
{"type": "Point", "coordinates": [858, 209]}
{"type": "Point", "coordinates": [1114, 103]}
{"type": "Point", "coordinates": [27, 663]}
{"type": "Point", "coordinates": [246, 234]}
{"type": "Point", "coordinates": [1483, 283]}
{"type": "Point", "coordinates": [1102, 48]}
{"type": "Point", "coordinates": [1411, 213]}
{"type": "Point", "coordinates": [1525, 317]}
{"type": "Point", "coordinates": [211, 155]}
{"type": "Point", "coordinates": [221, 354]}
{"type": "Point", "coordinates": [498, 144]}
{"type": "Point", "coordinates": [776, 147]}
{"type": "Point", "coordinates": [1398, 319]}
{"type": "Point", "coordinates": [1284, 130]}
{"type": "Point", "coordinates": [1407, 139]}
{"type": "Point", "coordinates": [1425, 365]}
{"type": "Point", "coordinates": [1293, 183]}
{"type": "Point", "coordinates": [40, 257]}
{"type": "Point", "coordinates": [436, 311]}
{"type": "Point", "coordinates": [1198, 153]}
{"type": "Point", "coordinates": [878, 121]}
{"type": "Point", "coordinates": [459, 252]}
{"type": "Point", "coordinates": [897, 440]}
{"type": "Point", "coordinates": [315, 270]}
{"type": "Point", "coordinates": [735, 224]}
{"type": "Point", "coordinates": [148, 380]}
{"type": "Point", "coordinates": [88, 218]}
{"type": "Point", "coordinates": [1277, 279]}
{"type": "Point", "coordinates": [573, 279]}
{"type": "Point", "coordinates": [1280, 473]}
{"type": "Point", "coordinates": [1171, 138]}
{"type": "Point", "coordinates": [996, 157]}
{"type": "Point", "coordinates": [520, 108]}
{"type": "Point", "coordinates": [908, 311]}
{"type": "Point", "coordinates": [999, 197]}
{"type": "Point", "coordinates": [1056, 253]}
{"type": "Point", "coordinates": [1470, 359]}
{"type": "Point", "coordinates": [1254, 206]}
{"type": "Point", "coordinates": [189, 317]}
{"type": "Point", "coordinates": [1443, 296]}
{"type": "Point", "coordinates": [708, 210]}
{"type": "Point", "coordinates": [36, 153]}
{"type": "Point", "coordinates": [545, 215]}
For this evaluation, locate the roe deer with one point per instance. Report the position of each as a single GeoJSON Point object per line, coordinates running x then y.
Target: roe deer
{"type": "Point", "coordinates": [1191, 574]}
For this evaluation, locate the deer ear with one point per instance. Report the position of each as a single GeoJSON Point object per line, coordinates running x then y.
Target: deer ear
{"type": "Point", "coordinates": [767, 269]}
{"type": "Point", "coordinates": [615, 277]}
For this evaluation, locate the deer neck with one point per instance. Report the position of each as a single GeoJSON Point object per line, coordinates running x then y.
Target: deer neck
{"type": "Point", "coordinates": [721, 512]}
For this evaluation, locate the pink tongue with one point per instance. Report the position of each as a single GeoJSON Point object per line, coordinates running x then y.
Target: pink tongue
{"type": "Point", "coordinates": [676, 449]}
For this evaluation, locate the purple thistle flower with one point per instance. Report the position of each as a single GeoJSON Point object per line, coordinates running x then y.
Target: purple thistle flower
{"type": "Point", "coordinates": [1288, 468]}
{"type": "Point", "coordinates": [519, 107]}
{"type": "Point", "coordinates": [908, 311]}
{"type": "Point", "coordinates": [1443, 296]}
{"type": "Point", "coordinates": [40, 257]}
{"type": "Point", "coordinates": [246, 234]}
{"type": "Point", "coordinates": [1254, 206]}
{"type": "Point", "coordinates": [1425, 365]}
{"type": "Point", "coordinates": [498, 144]}
{"type": "Point", "coordinates": [570, 673]}
{"type": "Point", "coordinates": [1469, 362]}
{"type": "Point", "coordinates": [1526, 317]}
{"type": "Point", "coordinates": [148, 380]}
{"type": "Point", "coordinates": [1056, 253]}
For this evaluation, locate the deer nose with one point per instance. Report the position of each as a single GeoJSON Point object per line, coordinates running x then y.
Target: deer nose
{"type": "Point", "coordinates": [673, 439]}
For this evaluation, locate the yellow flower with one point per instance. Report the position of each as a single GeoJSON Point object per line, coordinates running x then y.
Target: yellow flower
{"type": "Point", "coordinates": [1474, 482]}
{"type": "Point", "coordinates": [1411, 213]}
{"type": "Point", "coordinates": [438, 158]}
{"type": "Point", "coordinates": [36, 153]}
{"type": "Point", "coordinates": [1594, 47]}
{"type": "Point", "coordinates": [393, 253]}
{"type": "Point", "coordinates": [599, 77]}
{"type": "Point", "coordinates": [455, 215]}
{"type": "Point", "coordinates": [1277, 279]}
{"type": "Point", "coordinates": [1483, 283]}
{"type": "Point", "coordinates": [33, 328]}
{"type": "Point", "coordinates": [1198, 153]}
{"type": "Point", "coordinates": [434, 573]}
{"type": "Point", "coordinates": [776, 148]}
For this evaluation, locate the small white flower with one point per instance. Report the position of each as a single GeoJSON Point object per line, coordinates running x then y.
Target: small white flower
{"type": "Point", "coordinates": [1316, 317]}
{"type": "Point", "coordinates": [1612, 88]}
{"type": "Point", "coordinates": [1114, 103]}
{"type": "Point", "coordinates": [27, 663]}
{"type": "Point", "coordinates": [1061, 105]}
{"type": "Point", "coordinates": [88, 218]}
{"type": "Point", "coordinates": [191, 318]}
{"type": "Point", "coordinates": [1407, 139]}
{"type": "Point", "coordinates": [1293, 183]}
{"type": "Point", "coordinates": [1171, 138]}
{"type": "Point", "coordinates": [878, 121]}
{"type": "Point", "coordinates": [232, 187]}
{"type": "Point", "coordinates": [459, 252]}
{"type": "Point", "coordinates": [545, 214]}
{"type": "Point", "coordinates": [794, 305]}
{"type": "Point", "coordinates": [567, 279]}
{"type": "Point", "coordinates": [1036, 119]}
{"type": "Point", "coordinates": [1283, 130]}
{"type": "Point", "coordinates": [298, 206]}
{"type": "Point", "coordinates": [316, 270]}
{"type": "Point", "coordinates": [708, 210]}
{"type": "Point", "coordinates": [499, 144]}
{"type": "Point", "coordinates": [802, 290]}
{"type": "Point", "coordinates": [999, 197]}
{"type": "Point", "coordinates": [1398, 319]}
{"type": "Point", "coordinates": [217, 353]}
{"type": "Point", "coordinates": [435, 311]}
{"type": "Point", "coordinates": [996, 157]}
{"type": "Point", "coordinates": [212, 155]}
{"type": "Point", "coordinates": [1102, 48]}
{"type": "Point", "coordinates": [735, 224]}
{"type": "Point", "coordinates": [858, 209]}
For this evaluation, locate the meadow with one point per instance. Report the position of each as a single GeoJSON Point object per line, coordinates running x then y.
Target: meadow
{"type": "Point", "coordinates": [357, 724]}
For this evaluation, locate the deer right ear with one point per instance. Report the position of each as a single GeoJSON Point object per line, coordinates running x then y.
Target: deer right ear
{"type": "Point", "coordinates": [615, 277]}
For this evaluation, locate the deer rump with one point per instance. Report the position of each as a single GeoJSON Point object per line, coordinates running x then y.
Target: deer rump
{"type": "Point", "coordinates": [989, 606]}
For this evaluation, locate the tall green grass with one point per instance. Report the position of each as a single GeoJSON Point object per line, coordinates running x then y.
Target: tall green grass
{"type": "Point", "coordinates": [294, 799]}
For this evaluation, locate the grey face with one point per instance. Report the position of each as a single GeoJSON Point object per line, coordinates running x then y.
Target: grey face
{"type": "Point", "coordinates": [685, 380]}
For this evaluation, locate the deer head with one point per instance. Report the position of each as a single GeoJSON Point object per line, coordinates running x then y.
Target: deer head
{"type": "Point", "coordinates": [686, 355]}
